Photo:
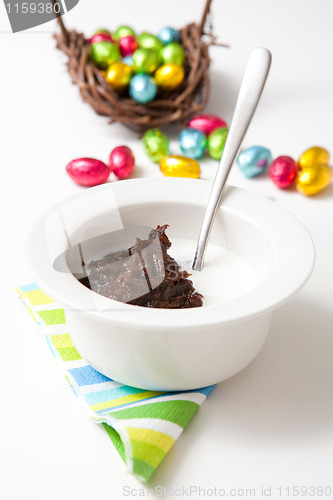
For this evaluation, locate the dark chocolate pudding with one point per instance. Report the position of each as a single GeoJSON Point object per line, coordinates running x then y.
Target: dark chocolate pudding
{"type": "Point", "coordinates": [144, 275]}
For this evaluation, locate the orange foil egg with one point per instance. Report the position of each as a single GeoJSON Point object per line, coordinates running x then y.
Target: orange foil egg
{"type": "Point", "coordinates": [180, 166]}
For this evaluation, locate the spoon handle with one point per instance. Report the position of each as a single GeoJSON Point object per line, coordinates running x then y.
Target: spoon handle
{"type": "Point", "coordinates": [250, 91]}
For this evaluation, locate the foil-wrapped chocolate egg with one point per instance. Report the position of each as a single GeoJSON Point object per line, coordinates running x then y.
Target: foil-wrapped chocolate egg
{"type": "Point", "coordinates": [127, 45]}
{"type": "Point", "coordinates": [149, 41]}
{"type": "Point", "coordinates": [88, 171]}
{"type": "Point", "coordinates": [122, 162]}
{"type": "Point", "coordinates": [169, 76]}
{"type": "Point", "coordinates": [122, 31]}
{"type": "Point", "coordinates": [207, 123]}
{"type": "Point", "coordinates": [254, 160]}
{"type": "Point", "coordinates": [314, 155]}
{"type": "Point", "coordinates": [283, 171]}
{"type": "Point", "coordinates": [169, 35]}
{"type": "Point", "coordinates": [127, 60]}
{"type": "Point", "coordinates": [313, 179]}
{"type": "Point", "coordinates": [142, 88]}
{"type": "Point", "coordinates": [118, 75]}
{"type": "Point", "coordinates": [216, 142]}
{"type": "Point", "coordinates": [103, 54]}
{"type": "Point", "coordinates": [173, 53]}
{"type": "Point", "coordinates": [103, 31]}
{"type": "Point", "coordinates": [155, 144]}
{"type": "Point", "coordinates": [192, 142]}
{"type": "Point", "coordinates": [145, 60]}
{"type": "Point", "coordinates": [101, 37]}
{"type": "Point", "coordinates": [180, 166]}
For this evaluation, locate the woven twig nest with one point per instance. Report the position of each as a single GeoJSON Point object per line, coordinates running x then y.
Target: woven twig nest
{"type": "Point", "coordinates": [176, 106]}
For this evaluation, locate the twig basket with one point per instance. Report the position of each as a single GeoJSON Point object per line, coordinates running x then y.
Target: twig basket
{"type": "Point", "coordinates": [175, 106]}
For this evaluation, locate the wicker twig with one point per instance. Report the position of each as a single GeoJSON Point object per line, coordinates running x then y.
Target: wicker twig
{"type": "Point", "coordinates": [176, 106]}
{"type": "Point", "coordinates": [204, 16]}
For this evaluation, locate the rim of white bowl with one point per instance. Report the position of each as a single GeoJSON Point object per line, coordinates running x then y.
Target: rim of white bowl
{"type": "Point", "coordinates": [282, 229]}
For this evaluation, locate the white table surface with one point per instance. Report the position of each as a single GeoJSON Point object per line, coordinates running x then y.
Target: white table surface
{"type": "Point", "coordinates": [269, 426]}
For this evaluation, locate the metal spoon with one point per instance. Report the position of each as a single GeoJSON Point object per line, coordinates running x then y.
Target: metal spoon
{"type": "Point", "coordinates": [253, 83]}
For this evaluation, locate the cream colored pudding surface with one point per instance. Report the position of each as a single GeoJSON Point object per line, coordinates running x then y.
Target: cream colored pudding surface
{"type": "Point", "coordinates": [226, 275]}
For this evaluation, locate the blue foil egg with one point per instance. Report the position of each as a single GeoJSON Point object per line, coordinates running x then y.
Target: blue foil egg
{"type": "Point", "coordinates": [169, 35]}
{"type": "Point", "coordinates": [192, 142]}
{"type": "Point", "coordinates": [142, 88]}
{"type": "Point", "coordinates": [253, 161]}
{"type": "Point", "coordinates": [127, 60]}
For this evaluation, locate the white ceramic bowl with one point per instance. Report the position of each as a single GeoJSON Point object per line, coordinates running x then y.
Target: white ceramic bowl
{"type": "Point", "coordinates": [162, 349]}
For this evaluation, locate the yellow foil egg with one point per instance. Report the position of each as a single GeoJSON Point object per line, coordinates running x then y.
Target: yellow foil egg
{"type": "Point", "coordinates": [118, 75]}
{"type": "Point", "coordinates": [311, 180]}
{"type": "Point", "coordinates": [180, 166]}
{"type": "Point", "coordinates": [315, 155]}
{"type": "Point", "coordinates": [169, 76]}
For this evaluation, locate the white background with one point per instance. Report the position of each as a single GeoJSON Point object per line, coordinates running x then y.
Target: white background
{"type": "Point", "coordinates": [269, 425]}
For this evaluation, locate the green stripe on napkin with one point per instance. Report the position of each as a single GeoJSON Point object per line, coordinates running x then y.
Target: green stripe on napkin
{"type": "Point", "coordinates": [143, 425]}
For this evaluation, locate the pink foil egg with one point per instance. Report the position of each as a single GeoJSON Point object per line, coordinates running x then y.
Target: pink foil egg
{"type": "Point", "coordinates": [88, 171]}
{"type": "Point", "coordinates": [122, 162]}
{"type": "Point", "coordinates": [128, 45]}
{"type": "Point", "coordinates": [101, 37]}
{"type": "Point", "coordinates": [283, 171]}
{"type": "Point", "coordinates": [207, 123]}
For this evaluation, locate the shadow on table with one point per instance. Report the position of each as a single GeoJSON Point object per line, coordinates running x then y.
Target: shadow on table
{"type": "Point", "coordinates": [284, 398]}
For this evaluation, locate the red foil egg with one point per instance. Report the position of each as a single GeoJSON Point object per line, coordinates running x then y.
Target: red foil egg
{"type": "Point", "coordinates": [207, 123]}
{"type": "Point", "coordinates": [101, 37]}
{"type": "Point", "coordinates": [122, 162]}
{"type": "Point", "coordinates": [128, 45]}
{"type": "Point", "coordinates": [88, 171]}
{"type": "Point", "coordinates": [283, 171]}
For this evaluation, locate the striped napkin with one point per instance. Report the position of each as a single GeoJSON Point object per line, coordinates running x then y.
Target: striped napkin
{"type": "Point", "coordinates": [143, 425]}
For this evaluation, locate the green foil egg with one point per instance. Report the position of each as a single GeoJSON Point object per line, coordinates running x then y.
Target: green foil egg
{"type": "Point", "coordinates": [148, 41]}
{"type": "Point", "coordinates": [122, 31]}
{"type": "Point", "coordinates": [104, 54]}
{"type": "Point", "coordinates": [173, 53]}
{"type": "Point", "coordinates": [155, 144]}
{"type": "Point", "coordinates": [145, 60]}
{"type": "Point", "coordinates": [216, 142]}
